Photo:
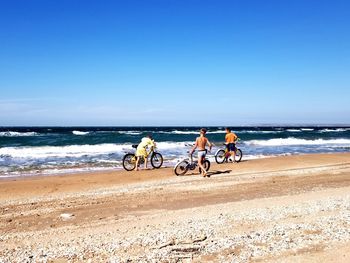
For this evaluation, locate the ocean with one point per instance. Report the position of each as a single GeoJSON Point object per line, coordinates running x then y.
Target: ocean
{"type": "Point", "coordinates": [26, 151]}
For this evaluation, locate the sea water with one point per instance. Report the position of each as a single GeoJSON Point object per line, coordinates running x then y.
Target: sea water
{"type": "Point", "coordinates": [49, 150]}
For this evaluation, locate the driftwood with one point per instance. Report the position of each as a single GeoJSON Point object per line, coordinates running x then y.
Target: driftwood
{"type": "Point", "coordinates": [169, 243]}
{"type": "Point", "coordinates": [174, 242]}
{"type": "Point", "coordinates": [194, 240]}
{"type": "Point", "coordinates": [185, 249]}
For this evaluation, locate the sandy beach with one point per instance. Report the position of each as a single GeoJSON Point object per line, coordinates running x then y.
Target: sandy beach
{"type": "Point", "coordinates": [281, 209]}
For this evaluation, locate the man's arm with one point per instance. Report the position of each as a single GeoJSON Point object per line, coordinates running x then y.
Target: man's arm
{"type": "Point", "coordinates": [194, 147]}
{"type": "Point", "coordinates": [210, 145]}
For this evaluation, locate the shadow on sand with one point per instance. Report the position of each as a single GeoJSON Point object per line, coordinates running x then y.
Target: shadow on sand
{"type": "Point", "coordinates": [209, 174]}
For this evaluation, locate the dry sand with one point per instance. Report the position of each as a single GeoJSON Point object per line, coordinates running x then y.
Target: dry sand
{"type": "Point", "coordinates": [283, 209]}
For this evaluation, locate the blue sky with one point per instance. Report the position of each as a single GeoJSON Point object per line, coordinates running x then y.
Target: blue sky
{"type": "Point", "coordinates": [167, 62]}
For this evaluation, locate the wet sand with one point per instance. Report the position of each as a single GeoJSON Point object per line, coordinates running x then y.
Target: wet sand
{"type": "Point", "coordinates": [282, 209]}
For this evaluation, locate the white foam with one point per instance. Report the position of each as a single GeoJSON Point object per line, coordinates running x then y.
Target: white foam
{"type": "Point", "coordinates": [60, 151]}
{"type": "Point", "coordinates": [307, 129]}
{"type": "Point", "coordinates": [38, 152]}
{"type": "Point", "coordinates": [293, 130]}
{"type": "Point", "coordinates": [182, 132]}
{"type": "Point", "coordinates": [255, 131]}
{"type": "Point", "coordinates": [172, 145]}
{"type": "Point", "coordinates": [295, 141]}
{"type": "Point", "coordinates": [130, 132]}
{"type": "Point", "coordinates": [79, 133]}
{"type": "Point", "coordinates": [191, 132]}
{"type": "Point", "coordinates": [334, 130]}
{"type": "Point", "coordinates": [219, 131]}
{"type": "Point", "coordinates": [16, 134]}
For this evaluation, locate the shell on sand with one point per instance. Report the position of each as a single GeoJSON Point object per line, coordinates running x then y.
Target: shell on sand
{"type": "Point", "coordinates": [66, 216]}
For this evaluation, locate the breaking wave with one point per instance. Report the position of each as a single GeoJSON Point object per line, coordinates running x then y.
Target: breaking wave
{"type": "Point", "coordinates": [295, 141]}
{"type": "Point", "coordinates": [79, 133]}
{"type": "Point", "coordinates": [17, 134]}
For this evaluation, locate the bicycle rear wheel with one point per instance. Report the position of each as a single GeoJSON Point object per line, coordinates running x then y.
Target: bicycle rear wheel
{"type": "Point", "coordinates": [220, 156]}
{"type": "Point", "coordinates": [206, 165]}
{"type": "Point", "coordinates": [181, 168]}
{"type": "Point", "coordinates": [129, 161]}
{"type": "Point", "coordinates": [156, 160]}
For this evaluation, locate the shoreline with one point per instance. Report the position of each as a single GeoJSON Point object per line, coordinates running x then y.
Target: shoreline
{"type": "Point", "coordinates": [63, 172]}
{"type": "Point", "coordinates": [120, 176]}
{"type": "Point", "coordinates": [290, 207]}
{"type": "Point", "coordinates": [42, 184]}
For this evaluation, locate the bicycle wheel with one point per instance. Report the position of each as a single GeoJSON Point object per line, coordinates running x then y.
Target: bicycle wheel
{"type": "Point", "coordinates": [129, 161]}
{"type": "Point", "coordinates": [206, 165]}
{"type": "Point", "coordinates": [239, 155]}
{"type": "Point", "coordinates": [181, 168]}
{"type": "Point", "coordinates": [220, 156]}
{"type": "Point", "coordinates": [156, 160]}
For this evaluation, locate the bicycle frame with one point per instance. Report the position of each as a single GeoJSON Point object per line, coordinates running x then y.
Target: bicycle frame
{"type": "Point", "coordinates": [226, 150]}
{"type": "Point", "coordinates": [190, 163]}
{"type": "Point", "coordinates": [148, 153]}
{"type": "Point", "coordinates": [227, 154]}
{"type": "Point", "coordinates": [194, 163]}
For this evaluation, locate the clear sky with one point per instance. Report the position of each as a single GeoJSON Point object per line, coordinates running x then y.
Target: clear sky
{"type": "Point", "coordinates": [172, 62]}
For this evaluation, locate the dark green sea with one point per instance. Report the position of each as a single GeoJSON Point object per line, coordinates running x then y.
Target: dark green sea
{"type": "Point", "coordinates": [47, 150]}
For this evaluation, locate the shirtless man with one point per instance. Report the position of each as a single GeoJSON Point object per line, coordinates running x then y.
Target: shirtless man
{"type": "Point", "coordinates": [230, 141]}
{"type": "Point", "coordinates": [201, 142]}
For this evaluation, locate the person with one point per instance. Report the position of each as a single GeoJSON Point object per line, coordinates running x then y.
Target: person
{"type": "Point", "coordinates": [201, 143]}
{"type": "Point", "coordinates": [141, 150]}
{"type": "Point", "coordinates": [230, 141]}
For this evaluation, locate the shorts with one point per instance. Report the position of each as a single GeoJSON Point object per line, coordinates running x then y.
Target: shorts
{"type": "Point", "coordinates": [202, 154]}
{"type": "Point", "coordinates": [141, 152]}
{"type": "Point", "coordinates": [231, 147]}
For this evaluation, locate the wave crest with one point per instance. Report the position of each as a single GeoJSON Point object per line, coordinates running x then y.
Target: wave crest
{"type": "Point", "coordinates": [17, 134]}
{"type": "Point", "coordinates": [295, 141]}
{"type": "Point", "coordinates": [79, 133]}
{"type": "Point", "coordinates": [59, 151]}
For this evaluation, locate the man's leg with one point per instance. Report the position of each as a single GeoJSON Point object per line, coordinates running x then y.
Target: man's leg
{"type": "Point", "coordinates": [228, 154]}
{"type": "Point", "coordinates": [231, 154]}
{"type": "Point", "coordinates": [137, 163]}
{"type": "Point", "coordinates": [146, 160]}
{"type": "Point", "coordinates": [200, 164]}
{"type": "Point", "coordinates": [234, 152]}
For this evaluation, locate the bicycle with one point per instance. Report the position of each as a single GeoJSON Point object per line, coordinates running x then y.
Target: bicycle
{"type": "Point", "coordinates": [189, 164]}
{"type": "Point", "coordinates": [223, 155]}
{"type": "Point", "coordinates": [129, 159]}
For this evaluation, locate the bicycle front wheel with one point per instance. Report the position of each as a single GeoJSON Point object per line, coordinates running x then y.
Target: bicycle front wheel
{"type": "Point", "coordinates": [220, 156]}
{"type": "Point", "coordinates": [238, 156]}
{"type": "Point", "coordinates": [156, 160]}
{"type": "Point", "coordinates": [181, 168]}
{"type": "Point", "coordinates": [129, 161]}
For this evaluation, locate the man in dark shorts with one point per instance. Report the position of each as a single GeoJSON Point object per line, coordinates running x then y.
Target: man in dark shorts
{"type": "Point", "coordinates": [230, 141]}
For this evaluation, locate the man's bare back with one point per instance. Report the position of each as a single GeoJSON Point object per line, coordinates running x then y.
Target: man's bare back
{"type": "Point", "coordinates": [201, 143]}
